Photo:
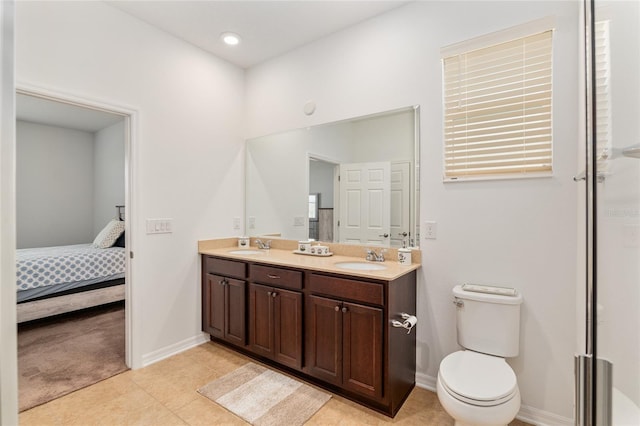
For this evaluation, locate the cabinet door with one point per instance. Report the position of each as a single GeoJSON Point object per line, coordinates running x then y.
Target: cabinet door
{"type": "Point", "coordinates": [214, 305]}
{"type": "Point", "coordinates": [324, 338]}
{"type": "Point", "coordinates": [288, 327]}
{"type": "Point", "coordinates": [362, 349]}
{"type": "Point", "coordinates": [261, 338]}
{"type": "Point", "coordinates": [235, 310]}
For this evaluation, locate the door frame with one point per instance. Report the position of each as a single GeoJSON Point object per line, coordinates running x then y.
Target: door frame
{"type": "Point", "coordinates": [130, 116]}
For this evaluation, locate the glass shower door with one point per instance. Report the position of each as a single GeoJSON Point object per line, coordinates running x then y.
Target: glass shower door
{"type": "Point", "coordinates": [614, 185]}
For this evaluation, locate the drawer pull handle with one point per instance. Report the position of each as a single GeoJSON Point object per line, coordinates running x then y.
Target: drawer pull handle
{"type": "Point", "coordinates": [273, 277]}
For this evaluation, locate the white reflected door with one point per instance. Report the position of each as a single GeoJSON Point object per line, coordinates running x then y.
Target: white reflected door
{"type": "Point", "coordinates": [400, 204]}
{"type": "Point", "coordinates": [365, 199]}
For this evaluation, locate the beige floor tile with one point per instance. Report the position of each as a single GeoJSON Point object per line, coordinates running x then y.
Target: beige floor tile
{"type": "Point", "coordinates": [203, 412]}
{"type": "Point", "coordinates": [165, 393]}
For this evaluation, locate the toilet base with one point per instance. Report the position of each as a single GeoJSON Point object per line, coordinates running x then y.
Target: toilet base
{"type": "Point", "coordinates": [471, 415]}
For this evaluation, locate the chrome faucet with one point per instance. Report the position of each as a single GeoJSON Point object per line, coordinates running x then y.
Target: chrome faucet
{"type": "Point", "coordinates": [375, 257]}
{"type": "Point", "coordinates": [264, 246]}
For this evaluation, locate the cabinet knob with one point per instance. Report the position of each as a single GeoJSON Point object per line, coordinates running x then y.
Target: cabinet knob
{"type": "Point", "coordinates": [268, 293]}
{"type": "Point", "coordinates": [344, 310]}
{"type": "Point", "coordinates": [337, 308]}
{"type": "Point", "coordinates": [274, 294]}
{"type": "Point", "coordinates": [222, 282]}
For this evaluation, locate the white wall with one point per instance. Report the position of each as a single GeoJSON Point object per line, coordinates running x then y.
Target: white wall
{"type": "Point", "coordinates": [321, 182]}
{"type": "Point", "coordinates": [54, 185]}
{"type": "Point", "coordinates": [8, 348]}
{"type": "Point", "coordinates": [187, 146]}
{"type": "Point", "coordinates": [108, 174]}
{"type": "Point", "coordinates": [518, 233]}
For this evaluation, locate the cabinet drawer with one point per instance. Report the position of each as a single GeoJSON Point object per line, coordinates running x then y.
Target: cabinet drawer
{"type": "Point", "coordinates": [360, 291]}
{"type": "Point", "coordinates": [276, 276]}
{"type": "Point", "coordinates": [227, 268]}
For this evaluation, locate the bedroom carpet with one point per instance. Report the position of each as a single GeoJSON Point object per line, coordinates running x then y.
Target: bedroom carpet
{"type": "Point", "coordinates": [60, 355]}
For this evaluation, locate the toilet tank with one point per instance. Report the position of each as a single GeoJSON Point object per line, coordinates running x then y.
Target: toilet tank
{"type": "Point", "coordinates": [488, 323]}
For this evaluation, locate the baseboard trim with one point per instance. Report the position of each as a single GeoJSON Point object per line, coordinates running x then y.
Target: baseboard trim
{"type": "Point", "coordinates": [426, 382]}
{"type": "Point", "coordinates": [542, 418]}
{"type": "Point", "coordinates": [527, 414]}
{"type": "Point", "coordinates": [174, 349]}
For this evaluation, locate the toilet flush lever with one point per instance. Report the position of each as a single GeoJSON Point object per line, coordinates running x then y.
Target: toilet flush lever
{"type": "Point", "coordinates": [458, 302]}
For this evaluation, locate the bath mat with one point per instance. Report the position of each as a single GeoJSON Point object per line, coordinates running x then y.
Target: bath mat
{"type": "Point", "coordinates": [264, 397]}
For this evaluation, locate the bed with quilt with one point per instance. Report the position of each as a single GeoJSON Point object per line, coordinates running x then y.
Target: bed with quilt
{"type": "Point", "coordinates": [55, 280]}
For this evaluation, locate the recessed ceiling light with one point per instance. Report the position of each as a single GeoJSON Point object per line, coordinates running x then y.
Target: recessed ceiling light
{"type": "Point", "coordinates": [230, 38]}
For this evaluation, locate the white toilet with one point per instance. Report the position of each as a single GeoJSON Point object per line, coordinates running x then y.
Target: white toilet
{"type": "Point", "coordinates": [476, 386]}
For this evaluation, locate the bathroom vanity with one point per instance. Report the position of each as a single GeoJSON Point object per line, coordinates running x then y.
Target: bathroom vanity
{"type": "Point", "coordinates": [315, 317]}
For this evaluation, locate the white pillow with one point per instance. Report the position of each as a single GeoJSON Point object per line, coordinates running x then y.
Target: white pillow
{"type": "Point", "coordinates": [109, 234]}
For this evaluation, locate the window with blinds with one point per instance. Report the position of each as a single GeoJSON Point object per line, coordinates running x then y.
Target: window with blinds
{"type": "Point", "coordinates": [603, 95]}
{"type": "Point", "coordinates": [497, 110]}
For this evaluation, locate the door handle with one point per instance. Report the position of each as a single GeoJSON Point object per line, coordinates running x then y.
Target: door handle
{"type": "Point", "coordinates": [384, 235]}
{"type": "Point", "coordinates": [402, 234]}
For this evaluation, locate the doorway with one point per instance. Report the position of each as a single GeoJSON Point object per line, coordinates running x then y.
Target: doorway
{"type": "Point", "coordinates": [39, 111]}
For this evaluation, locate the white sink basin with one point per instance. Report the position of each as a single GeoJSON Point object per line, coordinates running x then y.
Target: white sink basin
{"type": "Point", "coordinates": [246, 251]}
{"type": "Point", "coordinates": [360, 266]}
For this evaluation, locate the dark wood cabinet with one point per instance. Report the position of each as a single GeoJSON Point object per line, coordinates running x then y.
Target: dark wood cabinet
{"type": "Point", "coordinates": [275, 324]}
{"type": "Point", "coordinates": [328, 328]}
{"type": "Point", "coordinates": [323, 335]}
{"type": "Point", "coordinates": [275, 314]}
{"type": "Point", "coordinates": [362, 349]}
{"type": "Point", "coordinates": [224, 302]}
{"type": "Point", "coordinates": [344, 344]}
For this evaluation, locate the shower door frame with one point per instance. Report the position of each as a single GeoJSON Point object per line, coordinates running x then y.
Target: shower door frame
{"type": "Point", "coordinates": [593, 376]}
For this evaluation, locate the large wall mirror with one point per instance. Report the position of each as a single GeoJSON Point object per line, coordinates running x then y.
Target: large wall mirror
{"type": "Point", "coordinates": [352, 181]}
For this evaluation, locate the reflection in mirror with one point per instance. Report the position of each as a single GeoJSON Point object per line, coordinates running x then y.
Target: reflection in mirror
{"type": "Point", "coordinates": [351, 181]}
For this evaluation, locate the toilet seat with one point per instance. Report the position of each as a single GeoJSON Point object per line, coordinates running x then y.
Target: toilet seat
{"type": "Point", "coordinates": [478, 379]}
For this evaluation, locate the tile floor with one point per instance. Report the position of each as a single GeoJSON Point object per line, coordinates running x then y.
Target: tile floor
{"type": "Point", "coordinates": [165, 394]}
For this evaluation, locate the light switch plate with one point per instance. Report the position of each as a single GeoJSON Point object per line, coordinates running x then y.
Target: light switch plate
{"type": "Point", "coordinates": [430, 230]}
{"type": "Point", "coordinates": [160, 226]}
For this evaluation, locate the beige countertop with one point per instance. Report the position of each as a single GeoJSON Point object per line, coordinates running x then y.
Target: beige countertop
{"type": "Point", "coordinates": [281, 254]}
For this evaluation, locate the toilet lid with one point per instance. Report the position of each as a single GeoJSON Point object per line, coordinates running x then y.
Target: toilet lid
{"type": "Point", "coordinates": [478, 378]}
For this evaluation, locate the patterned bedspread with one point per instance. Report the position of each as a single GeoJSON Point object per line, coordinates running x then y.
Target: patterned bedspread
{"type": "Point", "coordinates": [39, 267]}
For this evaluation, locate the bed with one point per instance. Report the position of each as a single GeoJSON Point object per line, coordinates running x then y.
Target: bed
{"type": "Point", "coordinates": [56, 280]}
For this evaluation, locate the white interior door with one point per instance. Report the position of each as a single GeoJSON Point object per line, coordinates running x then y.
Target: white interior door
{"type": "Point", "coordinates": [400, 203]}
{"type": "Point", "coordinates": [365, 199]}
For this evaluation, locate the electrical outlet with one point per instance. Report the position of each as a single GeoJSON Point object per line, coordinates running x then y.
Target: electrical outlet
{"type": "Point", "coordinates": [298, 221]}
{"type": "Point", "coordinates": [236, 223]}
{"type": "Point", "coordinates": [430, 230]}
{"type": "Point", "coordinates": [252, 222]}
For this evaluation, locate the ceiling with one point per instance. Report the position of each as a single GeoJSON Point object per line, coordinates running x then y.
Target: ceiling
{"type": "Point", "coordinates": [45, 111]}
{"type": "Point", "coordinates": [268, 28]}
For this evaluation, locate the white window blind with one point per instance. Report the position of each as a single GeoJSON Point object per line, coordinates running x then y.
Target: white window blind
{"type": "Point", "coordinates": [497, 110]}
{"type": "Point", "coordinates": [603, 95]}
